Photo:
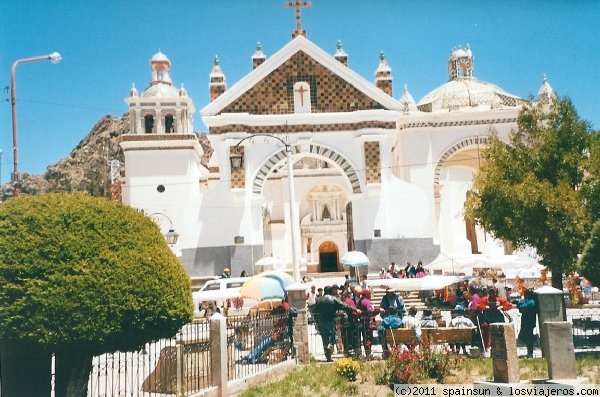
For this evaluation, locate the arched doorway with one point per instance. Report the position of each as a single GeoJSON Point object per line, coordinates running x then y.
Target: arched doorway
{"type": "Point", "coordinates": [328, 257]}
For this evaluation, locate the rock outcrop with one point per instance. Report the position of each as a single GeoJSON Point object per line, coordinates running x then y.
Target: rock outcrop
{"type": "Point", "coordinates": [87, 167]}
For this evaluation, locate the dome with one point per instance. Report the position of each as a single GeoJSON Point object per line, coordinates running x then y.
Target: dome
{"type": "Point", "coordinates": [159, 57]}
{"type": "Point", "coordinates": [160, 90]}
{"type": "Point", "coordinates": [466, 92]}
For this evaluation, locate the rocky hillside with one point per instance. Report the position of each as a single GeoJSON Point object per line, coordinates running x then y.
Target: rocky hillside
{"type": "Point", "coordinates": [87, 167]}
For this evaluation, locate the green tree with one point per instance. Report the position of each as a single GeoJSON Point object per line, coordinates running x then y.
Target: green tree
{"type": "Point", "coordinates": [534, 191]}
{"type": "Point", "coordinates": [82, 276]}
{"type": "Point", "coordinates": [590, 259]}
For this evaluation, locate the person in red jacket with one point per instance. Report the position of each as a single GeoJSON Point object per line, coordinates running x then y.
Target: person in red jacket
{"type": "Point", "coordinates": [490, 310]}
{"type": "Point", "coordinates": [368, 320]}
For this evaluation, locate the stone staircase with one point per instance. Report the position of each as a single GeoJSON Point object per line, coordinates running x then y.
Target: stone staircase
{"type": "Point", "coordinates": [411, 298]}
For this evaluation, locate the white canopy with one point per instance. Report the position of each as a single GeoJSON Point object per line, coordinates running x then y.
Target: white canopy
{"type": "Point", "coordinates": [355, 259]}
{"type": "Point", "coordinates": [427, 283]}
{"type": "Point", "coordinates": [510, 265]}
{"type": "Point", "coordinates": [269, 263]}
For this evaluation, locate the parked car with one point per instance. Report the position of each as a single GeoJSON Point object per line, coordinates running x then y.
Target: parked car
{"type": "Point", "coordinates": [217, 293]}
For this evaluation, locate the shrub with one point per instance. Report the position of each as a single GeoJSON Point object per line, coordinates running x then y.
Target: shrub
{"type": "Point", "coordinates": [347, 368]}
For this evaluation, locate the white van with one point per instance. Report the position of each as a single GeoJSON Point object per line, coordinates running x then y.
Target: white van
{"type": "Point", "coordinates": [215, 293]}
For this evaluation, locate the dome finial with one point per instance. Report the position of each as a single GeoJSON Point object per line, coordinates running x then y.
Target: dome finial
{"type": "Point", "coordinates": [338, 45]}
{"type": "Point", "coordinates": [216, 61]}
{"type": "Point", "coordinates": [381, 56]}
{"type": "Point", "coordinates": [258, 46]}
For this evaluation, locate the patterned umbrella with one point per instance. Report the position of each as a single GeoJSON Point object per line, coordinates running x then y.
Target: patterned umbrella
{"type": "Point", "coordinates": [285, 279]}
{"type": "Point", "coordinates": [262, 288]}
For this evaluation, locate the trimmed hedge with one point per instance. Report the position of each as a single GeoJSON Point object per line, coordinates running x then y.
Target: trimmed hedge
{"type": "Point", "coordinates": [89, 273]}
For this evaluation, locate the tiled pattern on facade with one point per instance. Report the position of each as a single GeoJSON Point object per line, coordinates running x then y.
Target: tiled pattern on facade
{"type": "Point", "coordinates": [251, 129]}
{"type": "Point", "coordinates": [144, 149]}
{"type": "Point", "coordinates": [238, 177]}
{"type": "Point", "coordinates": [456, 123]}
{"type": "Point", "coordinates": [274, 94]}
{"type": "Point", "coordinates": [337, 158]}
{"type": "Point", "coordinates": [472, 141]}
{"type": "Point", "coordinates": [372, 162]}
{"type": "Point", "coordinates": [158, 137]}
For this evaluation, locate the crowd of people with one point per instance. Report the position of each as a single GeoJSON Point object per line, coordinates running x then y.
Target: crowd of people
{"type": "Point", "coordinates": [409, 271]}
{"type": "Point", "coordinates": [346, 317]}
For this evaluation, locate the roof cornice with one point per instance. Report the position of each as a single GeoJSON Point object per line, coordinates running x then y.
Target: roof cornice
{"type": "Point", "coordinates": [299, 43]}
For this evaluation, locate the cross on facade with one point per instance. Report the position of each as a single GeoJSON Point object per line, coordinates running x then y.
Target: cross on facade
{"type": "Point", "coordinates": [298, 5]}
{"type": "Point", "coordinates": [301, 91]}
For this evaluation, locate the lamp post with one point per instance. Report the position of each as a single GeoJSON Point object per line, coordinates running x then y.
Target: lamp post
{"type": "Point", "coordinates": [54, 58]}
{"type": "Point", "coordinates": [237, 161]}
{"type": "Point", "coordinates": [161, 220]}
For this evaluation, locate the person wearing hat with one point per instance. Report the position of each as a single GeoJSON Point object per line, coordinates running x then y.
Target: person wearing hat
{"type": "Point", "coordinates": [367, 320]}
{"type": "Point", "coordinates": [226, 273]}
{"type": "Point", "coordinates": [349, 325]}
{"type": "Point", "coordinates": [391, 321]}
{"type": "Point", "coordinates": [391, 300]}
{"type": "Point", "coordinates": [460, 321]}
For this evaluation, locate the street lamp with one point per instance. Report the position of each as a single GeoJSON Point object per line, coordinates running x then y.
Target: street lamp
{"type": "Point", "coordinates": [237, 160]}
{"type": "Point", "coordinates": [161, 220]}
{"type": "Point", "coordinates": [54, 58]}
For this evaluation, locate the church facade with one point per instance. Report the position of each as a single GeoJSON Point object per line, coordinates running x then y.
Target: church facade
{"type": "Point", "coordinates": [371, 173]}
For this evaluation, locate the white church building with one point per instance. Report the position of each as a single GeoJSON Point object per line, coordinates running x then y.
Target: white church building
{"type": "Point", "coordinates": [372, 172]}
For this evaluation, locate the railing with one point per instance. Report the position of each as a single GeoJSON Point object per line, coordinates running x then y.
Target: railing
{"type": "Point", "coordinates": [260, 340]}
{"type": "Point", "coordinates": [586, 332]}
{"type": "Point", "coordinates": [159, 368]}
{"type": "Point", "coordinates": [182, 365]}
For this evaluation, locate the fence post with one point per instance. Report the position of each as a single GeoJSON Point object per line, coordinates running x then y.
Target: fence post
{"type": "Point", "coordinates": [297, 298]}
{"type": "Point", "coordinates": [180, 367]}
{"type": "Point", "coordinates": [218, 353]}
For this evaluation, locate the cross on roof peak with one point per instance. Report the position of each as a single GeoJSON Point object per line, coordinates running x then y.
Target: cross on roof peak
{"type": "Point", "coordinates": [297, 4]}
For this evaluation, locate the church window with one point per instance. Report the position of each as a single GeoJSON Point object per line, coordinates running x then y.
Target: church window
{"type": "Point", "coordinates": [160, 188]}
{"type": "Point", "coordinates": [169, 124]}
{"type": "Point", "coordinates": [377, 233]}
{"type": "Point", "coordinates": [148, 124]}
{"type": "Point", "coordinates": [325, 214]}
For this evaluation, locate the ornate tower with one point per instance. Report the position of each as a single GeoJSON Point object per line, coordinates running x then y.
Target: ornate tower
{"type": "Point", "coordinates": [161, 108]}
{"type": "Point", "coordinates": [217, 80]}
{"type": "Point", "coordinates": [340, 54]}
{"type": "Point", "coordinates": [383, 76]}
{"type": "Point", "coordinates": [259, 56]}
{"type": "Point", "coordinates": [460, 63]}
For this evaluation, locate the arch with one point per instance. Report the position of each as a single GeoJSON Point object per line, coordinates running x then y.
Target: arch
{"type": "Point", "coordinates": [471, 141]}
{"type": "Point", "coordinates": [169, 123]}
{"type": "Point", "coordinates": [329, 256]}
{"type": "Point", "coordinates": [149, 125]}
{"type": "Point", "coordinates": [330, 154]}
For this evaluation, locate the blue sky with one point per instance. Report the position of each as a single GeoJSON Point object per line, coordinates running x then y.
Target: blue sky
{"type": "Point", "coordinates": [106, 46]}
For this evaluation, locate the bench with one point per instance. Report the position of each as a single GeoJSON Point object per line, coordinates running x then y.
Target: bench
{"type": "Point", "coordinates": [431, 335]}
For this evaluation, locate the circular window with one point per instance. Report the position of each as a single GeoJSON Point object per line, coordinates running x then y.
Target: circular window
{"type": "Point", "coordinates": [160, 188]}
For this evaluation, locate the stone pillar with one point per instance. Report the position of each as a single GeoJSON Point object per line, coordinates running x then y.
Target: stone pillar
{"type": "Point", "coordinates": [559, 350]}
{"type": "Point", "coordinates": [550, 308]}
{"type": "Point", "coordinates": [504, 353]}
{"type": "Point", "coordinates": [297, 298]}
{"type": "Point", "coordinates": [218, 353]}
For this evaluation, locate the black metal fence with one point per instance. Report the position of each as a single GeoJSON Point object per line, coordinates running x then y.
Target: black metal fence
{"type": "Point", "coordinates": [349, 341]}
{"type": "Point", "coordinates": [260, 340]}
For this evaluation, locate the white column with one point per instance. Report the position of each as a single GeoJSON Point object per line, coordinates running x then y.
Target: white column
{"type": "Point", "coordinates": [293, 216]}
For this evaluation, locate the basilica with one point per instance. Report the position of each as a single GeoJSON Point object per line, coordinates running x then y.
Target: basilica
{"type": "Point", "coordinates": [311, 160]}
